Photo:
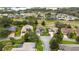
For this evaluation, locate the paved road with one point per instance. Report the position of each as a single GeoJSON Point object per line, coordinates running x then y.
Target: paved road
{"type": "Point", "coordinates": [3, 39]}
{"type": "Point", "coordinates": [46, 40]}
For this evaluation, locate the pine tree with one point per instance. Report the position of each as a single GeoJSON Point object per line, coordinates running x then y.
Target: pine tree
{"type": "Point", "coordinates": [43, 23]}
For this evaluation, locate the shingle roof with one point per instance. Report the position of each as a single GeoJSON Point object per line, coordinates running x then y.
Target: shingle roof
{"type": "Point", "coordinates": [67, 30]}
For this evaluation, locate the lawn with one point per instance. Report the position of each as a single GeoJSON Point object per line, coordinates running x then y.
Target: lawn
{"type": "Point", "coordinates": [52, 22]}
{"type": "Point", "coordinates": [9, 47]}
{"type": "Point", "coordinates": [18, 31]}
{"type": "Point", "coordinates": [39, 45]}
{"type": "Point", "coordinates": [73, 23]}
{"type": "Point", "coordinates": [7, 44]}
{"type": "Point", "coordinates": [68, 42]}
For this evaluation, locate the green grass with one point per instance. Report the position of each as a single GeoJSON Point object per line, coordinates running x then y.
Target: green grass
{"type": "Point", "coordinates": [45, 34]}
{"type": "Point", "coordinates": [3, 32]}
{"type": "Point", "coordinates": [9, 47]}
{"type": "Point", "coordinates": [18, 31]}
{"type": "Point", "coordinates": [68, 42]}
{"type": "Point", "coordinates": [39, 46]}
{"type": "Point", "coordinates": [52, 22]}
{"type": "Point", "coordinates": [73, 23]}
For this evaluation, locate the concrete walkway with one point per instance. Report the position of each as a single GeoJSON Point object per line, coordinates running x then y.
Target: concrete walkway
{"type": "Point", "coordinates": [46, 40]}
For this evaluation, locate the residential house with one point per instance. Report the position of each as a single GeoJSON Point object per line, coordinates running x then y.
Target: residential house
{"type": "Point", "coordinates": [40, 30]}
{"type": "Point", "coordinates": [61, 16]}
{"type": "Point", "coordinates": [65, 31]}
{"type": "Point", "coordinates": [12, 29]}
{"type": "Point", "coordinates": [77, 31]}
{"type": "Point", "coordinates": [25, 29]}
{"type": "Point", "coordinates": [52, 31]}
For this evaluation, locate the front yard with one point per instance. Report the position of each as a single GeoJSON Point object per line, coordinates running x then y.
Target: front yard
{"type": "Point", "coordinates": [68, 42]}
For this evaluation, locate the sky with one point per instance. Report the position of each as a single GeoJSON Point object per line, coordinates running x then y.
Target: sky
{"type": "Point", "coordinates": [23, 8]}
{"type": "Point", "coordinates": [39, 3]}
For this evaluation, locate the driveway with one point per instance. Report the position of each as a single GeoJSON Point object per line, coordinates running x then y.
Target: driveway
{"type": "Point", "coordinates": [68, 39]}
{"type": "Point", "coordinates": [45, 40]}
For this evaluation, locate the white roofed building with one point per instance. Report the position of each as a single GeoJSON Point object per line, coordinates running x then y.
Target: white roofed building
{"type": "Point", "coordinates": [25, 29]}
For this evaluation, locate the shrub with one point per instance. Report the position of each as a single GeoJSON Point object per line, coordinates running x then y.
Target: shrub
{"type": "Point", "coordinates": [3, 32]}
{"type": "Point", "coordinates": [72, 35]}
{"type": "Point", "coordinates": [4, 43]}
{"type": "Point", "coordinates": [30, 37]}
{"type": "Point", "coordinates": [38, 45]}
{"type": "Point", "coordinates": [45, 33]}
{"type": "Point", "coordinates": [17, 23]}
{"type": "Point", "coordinates": [9, 44]}
{"type": "Point", "coordinates": [19, 41]}
{"type": "Point", "coordinates": [58, 36]}
{"type": "Point", "coordinates": [36, 22]}
{"type": "Point", "coordinates": [18, 31]}
{"type": "Point", "coordinates": [76, 27]}
{"type": "Point", "coordinates": [68, 26]}
{"type": "Point", "coordinates": [60, 25]}
{"type": "Point", "coordinates": [1, 46]}
{"type": "Point", "coordinates": [43, 23]}
{"type": "Point", "coordinates": [5, 21]}
{"type": "Point", "coordinates": [54, 45]}
{"type": "Point", "coordinates": [77, 39]}
{"type": "Point", "coordinates": [12, 40]}
{"type": "Point", "coordinates": [7, 48]}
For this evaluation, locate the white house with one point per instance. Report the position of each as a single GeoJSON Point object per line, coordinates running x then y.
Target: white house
{"type": "Point", "coordinates": [65, 17]}
{"type": "Point", "coordinates": [71, 18]}
{"type": "Point", "coordinates": [25, 29]}
{"type": "Point", "coordinates": [39, 30]}
{"type": "Point", "coordinates": [52, 31]}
